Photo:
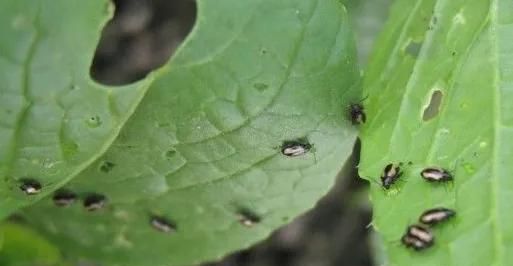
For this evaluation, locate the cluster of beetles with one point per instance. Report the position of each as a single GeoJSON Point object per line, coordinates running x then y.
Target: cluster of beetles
{"type": "Point", "coordinates": [417, 236]}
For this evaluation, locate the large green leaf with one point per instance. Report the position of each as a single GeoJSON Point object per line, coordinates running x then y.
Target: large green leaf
{"type": "Point", "coordinates": [205, 142]}
{"type": "Point", "coordinates": [462, 51]}
{"type": "Point", "coordinates": [54, 120]}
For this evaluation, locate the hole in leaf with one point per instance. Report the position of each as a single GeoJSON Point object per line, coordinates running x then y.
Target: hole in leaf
{"type": "Point", "coordinates": [107, 166]}
{"type": "Point", "coordinates": [94, 121]}
{"type": "Point", "coordinates": [261, 86]}
{"type": "Point", "coordinates": [170, 153]}
{"type": "Point", "coordinates": [413, 48]}
{"type": "Point", "coordinates": [434, 106]}
{"type": "Point", "coordinates": [141, 37]}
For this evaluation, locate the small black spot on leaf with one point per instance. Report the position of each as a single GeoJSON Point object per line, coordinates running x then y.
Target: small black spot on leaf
{"type": "Point", "coordinates": [94, 121]}
{"type": "Point", "coordinates": [106, 166]}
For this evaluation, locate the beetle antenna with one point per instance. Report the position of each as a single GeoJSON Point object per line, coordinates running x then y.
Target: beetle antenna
{"type": "Point", "coordinates": [364, 98]}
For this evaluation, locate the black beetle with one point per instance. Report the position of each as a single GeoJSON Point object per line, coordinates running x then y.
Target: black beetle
{"type": "Point", "coordinates": [390, 174]}
{"type": "Point", "coordinates": [436, 215]}
{"type": "Point", "coordinates": [418, 237]}
{"type": "Point", "coordinates": [436, 174]}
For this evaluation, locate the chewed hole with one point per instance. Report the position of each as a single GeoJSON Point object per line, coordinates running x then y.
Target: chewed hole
{"type": "Point", "coordinates": [433, 108]}
{"type": "Point", "coordinates": [413, 48]}
{"type": "Point", "coordinates": [170, 153]}
{"type": "Point", "coordinates": [107, 166]}
{"type": "Point", "coordinates": [141, 37]}
{"type": "Point", "coordinates": [94, 121]}
{"type": "Point", "coordinates": [260, 86]}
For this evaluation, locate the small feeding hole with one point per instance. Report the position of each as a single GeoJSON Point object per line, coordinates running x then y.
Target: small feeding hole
{"type": "Point", "coordinates": [260, 86]}
{"type": "Point", "coordinates": [170, 153]}
{"type": "Point", "coordinates": [30, 186]}
{"type": "Point", "coordinates": [107, 166]}
{"type": "Point", "coordinates": [413, 48]}
{"type": "Point", "coordinates": [94, 202]}
{"type": "Point", "coordinates": [248, 218]}
{"type": "Point", "coordinates": [162, 224]}
{"type": "Point", "coordinates": [434, 106]}
{"type": "Point", "coordinates": [94, 121]}
{"type": "Point", "coordinates": [64, 197]}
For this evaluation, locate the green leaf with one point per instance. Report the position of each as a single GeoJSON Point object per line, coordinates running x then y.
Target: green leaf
{"type": "Point", "coordinates": [205, 143]}
{"type": "Point", "coordinates": [461, 52]}
{"type": "Point", "coordinates": [24, 247]}
{"type": "Point", "coordinates": [54, 120]}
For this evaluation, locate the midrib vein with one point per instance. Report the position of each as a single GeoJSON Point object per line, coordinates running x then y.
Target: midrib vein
{"type": "Point", "coordinates": [495, 190]}
{"type": "Point", "coordinates": [24, 92]}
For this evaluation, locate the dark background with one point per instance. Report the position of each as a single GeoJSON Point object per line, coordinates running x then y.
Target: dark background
{"type": "Point", "coordinates": [144, 34]}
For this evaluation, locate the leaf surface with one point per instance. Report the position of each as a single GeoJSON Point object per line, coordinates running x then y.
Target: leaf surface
{"type": "Point", "coordinates": [54, 120]}
{"type": "Point", "coordinates": [459, 54]}
{"type": "Point", "coordinates": [22, 246]}
{"type": "Point", "coordinates": [204, 146]}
